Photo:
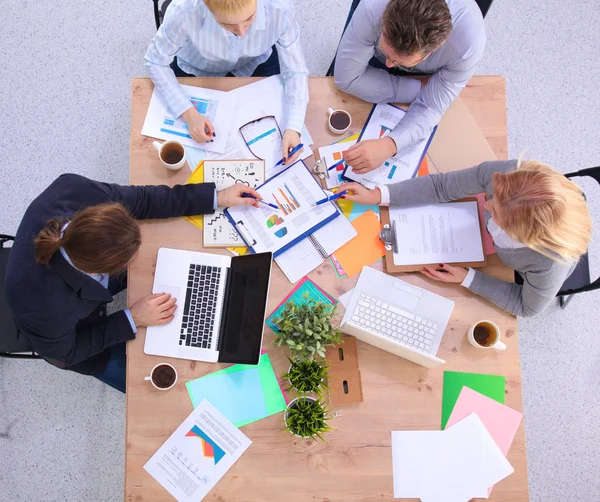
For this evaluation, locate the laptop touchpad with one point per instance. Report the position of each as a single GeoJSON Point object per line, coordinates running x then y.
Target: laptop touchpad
{"type": "Point", "coordinates": [174, 292]}
{"type": "Point", "coordinates": [404, 299]}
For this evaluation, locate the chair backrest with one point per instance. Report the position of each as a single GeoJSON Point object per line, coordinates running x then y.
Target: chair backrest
{"type": "Point", "coordinates": [160, 11]}
{"type": "Point", "coordinates": [11, 344]}
{"type": "Point", "coordinates": [582, 269]}
{"type": "Point", "coordinates": [484, 6]}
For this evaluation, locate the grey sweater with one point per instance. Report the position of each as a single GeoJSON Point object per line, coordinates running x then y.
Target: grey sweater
{"type": "Point", "coordinates": [542, 276]}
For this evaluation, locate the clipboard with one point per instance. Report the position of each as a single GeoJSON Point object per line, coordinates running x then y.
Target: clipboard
{"type": "Point", "coordinates": [388, 237]}
{"type": "Point", "coordinates": [251, 242]}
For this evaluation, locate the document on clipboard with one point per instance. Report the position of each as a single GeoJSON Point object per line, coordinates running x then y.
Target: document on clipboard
{"type": "Point", "coordinates": [294, 191]}
{"type": "Point", "coordinates": [404, 165]}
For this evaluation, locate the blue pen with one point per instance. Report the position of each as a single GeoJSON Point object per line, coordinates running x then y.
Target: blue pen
{"type": "Point", "coordinates": [250, 196]}
{"type": "Point", "coordinates": [333, 197]}
{"type": "Point", "coordinates": [291, 152]}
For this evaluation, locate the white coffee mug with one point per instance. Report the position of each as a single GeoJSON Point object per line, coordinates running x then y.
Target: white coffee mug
{"type": "Point", "coordinates": [334, 130]}
{"type": "Point", "coordinates": [493, 341]}
{"type": "Point", "coordinates": [163, 150]}
{"type": "Point", "coordinates": [151, 377]}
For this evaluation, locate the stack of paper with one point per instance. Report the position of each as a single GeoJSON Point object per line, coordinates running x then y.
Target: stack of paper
{"type": "Point", "coordinates": [454, 465]}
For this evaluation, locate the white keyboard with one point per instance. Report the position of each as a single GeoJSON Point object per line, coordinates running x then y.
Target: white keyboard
{"type": "Point", "coordinates": [381, 318]}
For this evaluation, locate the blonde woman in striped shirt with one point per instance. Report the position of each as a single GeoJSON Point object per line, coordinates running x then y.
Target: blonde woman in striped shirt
{"type": "Point", "coordinates": [215, 38]}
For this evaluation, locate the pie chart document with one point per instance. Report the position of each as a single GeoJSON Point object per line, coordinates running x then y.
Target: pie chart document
{"type": "Point", "coordinates": [295, 216]}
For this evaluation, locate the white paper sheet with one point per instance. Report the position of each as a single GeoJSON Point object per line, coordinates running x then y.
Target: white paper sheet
{"type": "Point", "coordinates": [218, 231]}
{"type": "Point", "coordinates": [437, 233]}
{"type": "Point", "coordinates": [259, 99]}
{"type": "Point", "coordinates": [346, 297]}
{"type": "Point", "coordinates": [218, 106]}
{"type": "Point", "coordinates": [198, 454]}
{"type": "Point", "coordinates": [447, 466]}
{"type": "Point", "coordinates": [295, 191]}
{"type": "Point", "coordinates": [303, 257]}
{"type": "Point", "coordinates": [404, 165]}
{"type": "Point", "coordinates": [333, 154]}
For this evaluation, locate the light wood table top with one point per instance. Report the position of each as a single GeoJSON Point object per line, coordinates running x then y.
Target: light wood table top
{"type": "Point", "coordinates": [356, 464]}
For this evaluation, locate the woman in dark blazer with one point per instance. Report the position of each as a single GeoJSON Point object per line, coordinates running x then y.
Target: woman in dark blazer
{"type": "Point", "coordinates": [70, 256]}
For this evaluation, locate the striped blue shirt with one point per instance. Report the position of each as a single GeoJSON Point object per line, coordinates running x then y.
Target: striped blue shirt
{"type": "Point", "coordinates": [205, 49]}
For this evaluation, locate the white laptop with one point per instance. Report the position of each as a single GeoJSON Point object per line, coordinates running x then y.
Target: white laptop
{"type": "Point", "coordinates": [397, 317]}
{"type": "Point", "coordinates": [221, 306]}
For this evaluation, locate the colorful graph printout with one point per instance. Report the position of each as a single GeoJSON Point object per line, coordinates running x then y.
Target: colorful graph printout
{"type": "Point", "coordinates": [210, 449]}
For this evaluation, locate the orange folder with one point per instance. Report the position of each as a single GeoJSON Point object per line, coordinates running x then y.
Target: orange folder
{"type": "Point", "coordinates": [365, 248]}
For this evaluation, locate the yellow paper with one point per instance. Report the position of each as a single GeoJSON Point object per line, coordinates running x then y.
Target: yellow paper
{"type": "Point", "coordinates": [197, 176]}
{"type": "Point", "coordinates": [365, 248]}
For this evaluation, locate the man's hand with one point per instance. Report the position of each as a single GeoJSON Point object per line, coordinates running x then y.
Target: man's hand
{"type": "Point", "coordinates": [361, 194]}
{"type": "Point", "coordinates": [154, 309]}
{"type": "Point", "coordinates": [201, 130]}
{"type": "Point", "coordinates": [448, 273]}
{"type": "Point", "coordinates": [290, 140]}
{"type": "Point", "coordinates": [368, 155]}
{"type": "Point", "coordinates": [232, 196]}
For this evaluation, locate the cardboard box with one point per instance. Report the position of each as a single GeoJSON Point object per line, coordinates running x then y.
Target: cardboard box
{"type": "Point", "coordinates": [345, 386]}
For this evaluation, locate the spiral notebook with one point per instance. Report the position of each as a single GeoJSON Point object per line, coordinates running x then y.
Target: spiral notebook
{"type": "Point", "coordinates": [309, 253]}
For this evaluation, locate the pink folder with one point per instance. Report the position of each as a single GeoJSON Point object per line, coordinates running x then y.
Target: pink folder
{"type": "Point", "coordinates": [500, 421]}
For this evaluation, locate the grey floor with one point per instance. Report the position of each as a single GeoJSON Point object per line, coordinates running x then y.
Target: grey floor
{"type": "Point", "coordinates": [65, 70]}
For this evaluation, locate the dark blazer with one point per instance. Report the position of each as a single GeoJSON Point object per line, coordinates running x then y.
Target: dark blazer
{"type": "Point", "coordinates": [59, 309]}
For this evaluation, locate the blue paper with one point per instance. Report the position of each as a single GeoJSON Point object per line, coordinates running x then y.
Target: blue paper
{"type": "Point", "coordinates": [238, 395]}
{"type": "Point", "coordinates": [358, 209]}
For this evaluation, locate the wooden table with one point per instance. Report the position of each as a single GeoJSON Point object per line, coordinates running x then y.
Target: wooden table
{"type": "Point", "coordinates": [356, 464]}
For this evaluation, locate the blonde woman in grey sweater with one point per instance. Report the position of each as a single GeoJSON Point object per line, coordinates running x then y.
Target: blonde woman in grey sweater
{"type": "Point", "coordinates": [538, 219]}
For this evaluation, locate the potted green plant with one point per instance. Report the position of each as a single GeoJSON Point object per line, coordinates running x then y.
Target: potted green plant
{"type": "Point", "coordinates": [306, 329]}
{"type": "Point", "coordinates": [307, 417]}
{"type": "Point", "coordinates": [307, 375]}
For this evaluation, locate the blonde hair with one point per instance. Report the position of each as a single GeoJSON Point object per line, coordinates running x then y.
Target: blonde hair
{"type": "Point", "coordinates": [544, 210]}
{"type": "Point", "coordinates": [228, 6]}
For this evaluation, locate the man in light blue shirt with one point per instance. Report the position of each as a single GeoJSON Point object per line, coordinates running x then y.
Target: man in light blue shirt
{"type": "Point", "coordinates": [386, 42]}
{"type": "Point", "coordinates": [214, 38]}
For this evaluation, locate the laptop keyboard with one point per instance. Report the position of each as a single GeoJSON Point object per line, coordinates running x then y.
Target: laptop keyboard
{"type": "Point", "coordinates": [381, 318]}
{"type": "Point", "coordinates": [199, 312]}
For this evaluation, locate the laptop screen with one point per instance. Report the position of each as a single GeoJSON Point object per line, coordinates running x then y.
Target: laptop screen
{"type": "Point", "coordinates": [245, 308]}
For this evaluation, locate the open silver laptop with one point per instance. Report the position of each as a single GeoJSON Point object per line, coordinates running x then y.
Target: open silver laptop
{"type": "Point", "coordinates": [397, 317]}
{"type": "Point", "coordinates": [221, 301]}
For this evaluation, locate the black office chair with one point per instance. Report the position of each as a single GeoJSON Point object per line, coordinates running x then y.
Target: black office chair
{"type": "Point", "coordinates": [11, 344]}
{"type": "Point", "coordinates": [160, 11]}
{"type": "Point", "coordinates": [580, 280]}
{"type": "Point", "coordinates": [484, 6]}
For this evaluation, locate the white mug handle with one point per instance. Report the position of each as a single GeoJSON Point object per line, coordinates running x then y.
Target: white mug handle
{"type": "Point", "coordinates": [330, 110]}
{"type": "Point", "coordinates": [156, 145]}
{"type": "Point", "coordinates": [147, 378]}
{"type": "Point", "coordinates": [499, 346]}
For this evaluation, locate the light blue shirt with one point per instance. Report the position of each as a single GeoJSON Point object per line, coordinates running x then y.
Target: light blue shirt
{"type": "Point", "coordinates": [101, 278]}
{"type": "Point", "coordinates": [205, 49]}
{"type": "Point", "coordinates": [452, 65]}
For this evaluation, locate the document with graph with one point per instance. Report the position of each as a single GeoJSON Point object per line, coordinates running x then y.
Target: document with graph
{"type": "Point", "coordinates": [218, 231]}
{"type": "Point", "coordinates": [404, 165]}
{"type": "Point", "coordinates": [198, 454]}
{"type": "Point", "coordinates": [294, 192]}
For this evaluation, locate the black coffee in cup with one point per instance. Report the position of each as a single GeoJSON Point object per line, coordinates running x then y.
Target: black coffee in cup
{"type": "Point", "coordinates": [339, 120]}
{"type": "Point", "coordinates": [485, 334]}
{"type": "Point", "coordinates": [163, 376]}
{"type": "Point", "coordinates": [172, 153]}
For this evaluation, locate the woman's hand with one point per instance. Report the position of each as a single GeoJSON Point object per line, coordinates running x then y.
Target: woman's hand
{"type": "Point", "coordinates": [450, 274]}
{"type": "Point", "coordinates": [201, 129]}
{"type": "Point", "coordinates": [290, 140]}
{"type": "Point", "coordinates": [153, 310]}
{"type": "Point", "coordinates": [232, 196]}
{"type": "Point", "coordinates": [361, 194]}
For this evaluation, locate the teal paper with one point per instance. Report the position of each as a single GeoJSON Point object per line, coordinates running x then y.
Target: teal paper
{"type": "Point", "coordinates": [238, 395]}
{"type": "Point", "coordinates": [358, 209]}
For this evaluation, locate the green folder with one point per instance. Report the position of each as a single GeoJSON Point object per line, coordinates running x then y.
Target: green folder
{"type": "Point", "coordinates": [274, 399]}
{"type": "Point", "coordinates": [491, 386]}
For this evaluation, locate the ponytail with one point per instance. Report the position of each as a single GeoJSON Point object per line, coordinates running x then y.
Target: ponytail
{"type": "Point", "coordinates": [48, 241]}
